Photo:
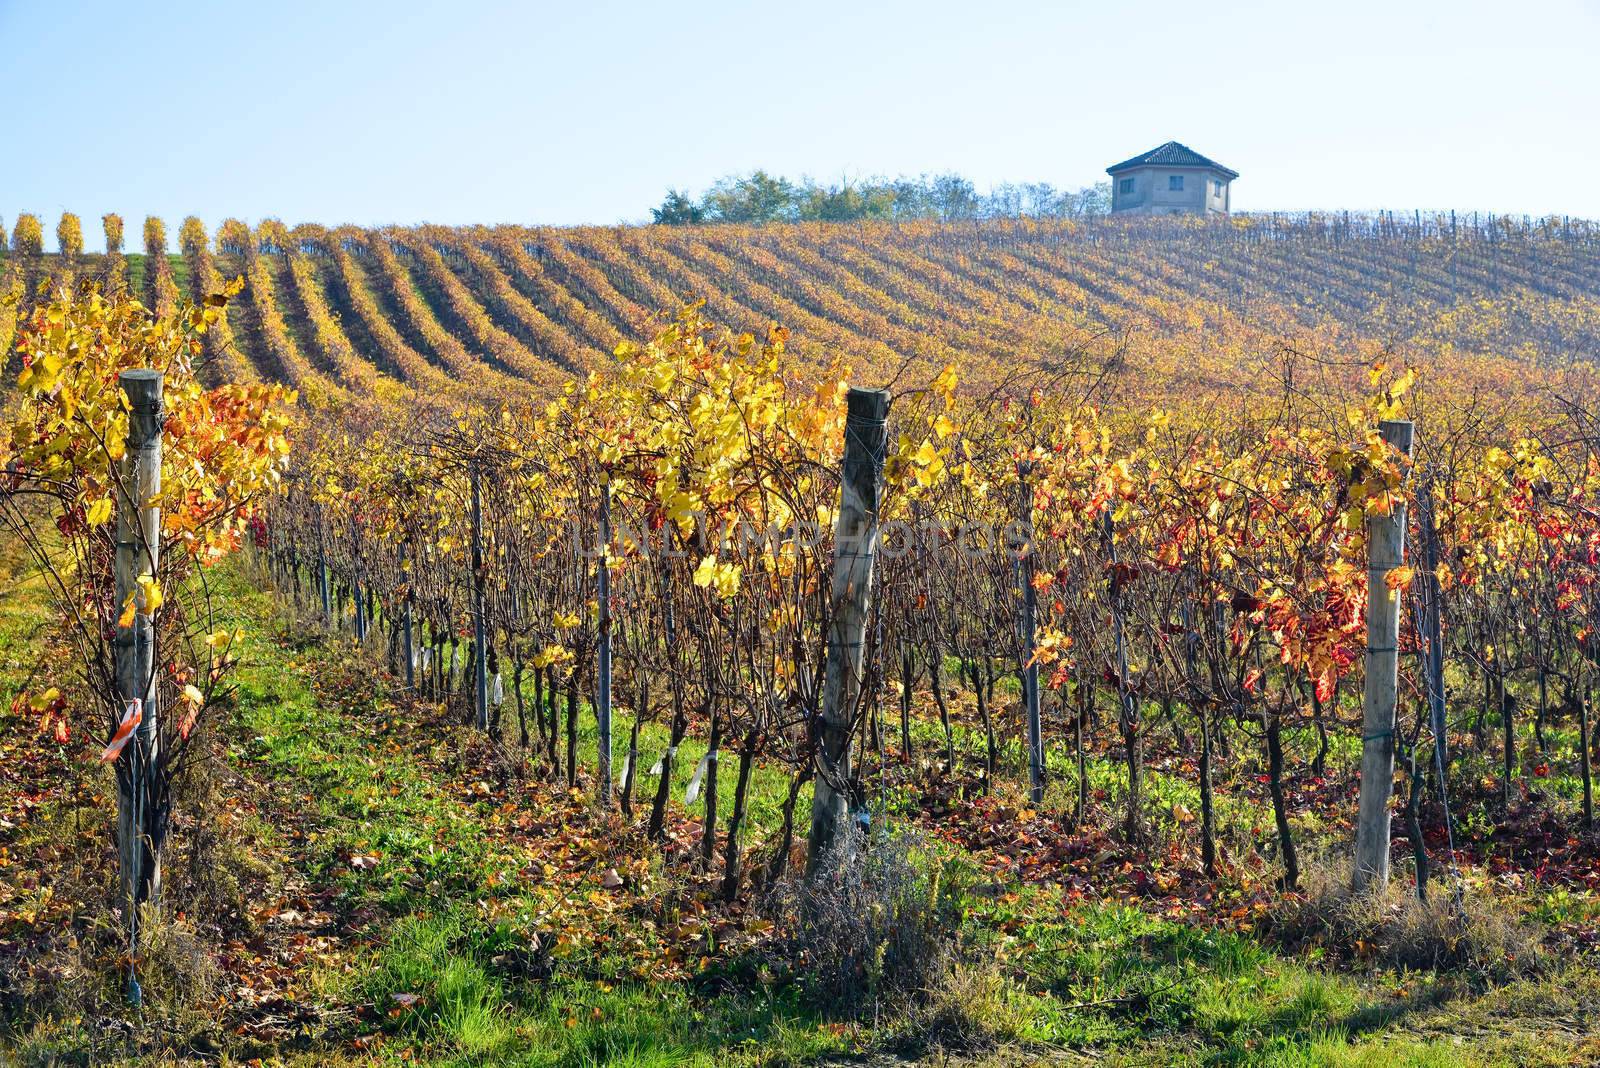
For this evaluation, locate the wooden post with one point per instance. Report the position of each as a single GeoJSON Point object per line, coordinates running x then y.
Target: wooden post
{"type": "Point", "coordinates": [409, 650]}
{"type": "Point", "coordinates": [1431, 651]}
{"type": "Point", "coordinates": [358, 595]}
{"type": "Point", "coordinates": [855, 542]}
{"type": "Point", "coordinates": [1386, 550]}
{"type": "Point", "coordinates": [602, 702]}
{"type": "Point", "coordinates": [141, 826]}
{"type": "Point", "coordinates": [1127, 705]}
{"type": "Point", "coordinates": [1030, 616]}
{"type": "Point", "coordinates": [1585, 741]}
{"type": "Point", "coordinates": [323, 582]}
{"type": "Point", "coordinates": [480, 665]}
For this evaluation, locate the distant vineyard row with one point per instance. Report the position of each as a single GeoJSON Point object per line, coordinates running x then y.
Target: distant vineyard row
{"type": "Point", "coordinates": [480, 309]}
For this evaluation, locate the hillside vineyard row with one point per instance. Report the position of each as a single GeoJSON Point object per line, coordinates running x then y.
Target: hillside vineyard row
{"type": "Point", "coordinates": [1181, 419]}
{"type": "Point", "coordinates": [472, 311]}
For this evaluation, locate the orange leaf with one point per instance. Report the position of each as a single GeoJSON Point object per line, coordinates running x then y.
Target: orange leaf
{"type": "Point", "coordinates": [1400, 577]}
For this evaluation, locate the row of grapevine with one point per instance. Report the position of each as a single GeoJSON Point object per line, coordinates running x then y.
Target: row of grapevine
{"type": "Point", "coordinates": [391, 349]}
{"type": "Point", "coordinates": [461, 364]}
{"type": "Point", "coordinates": [125, 477]}
{"type": "Point", "coordinates": [349, 367]}
{"type": "Point", "coordinates": [160, 288]}
{"type": "Point", "coordinates": [221, 346]}
{"type": "Point", "coordinates": [588, 285]}
{"type": "Point", "coordinates": [1199, 573]}
{"type": "Point", "coordinates": [548, 339]}
{"type": "Point", "coordinates": [590, 325]}
{"type": "Point", "coordinates": [11, 290]}
{"type": "Point", "coordinates": [261, 292]}
{"type": "Point", "coordinates": [115, 268]}
{"type": "Point", "coordinates": [469, 314]}
{"type": "Point", "coordinates": [1159, 301]}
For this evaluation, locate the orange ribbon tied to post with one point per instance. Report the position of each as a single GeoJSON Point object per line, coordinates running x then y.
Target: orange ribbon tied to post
{"type": "Point", "coordinates": [125, 729]}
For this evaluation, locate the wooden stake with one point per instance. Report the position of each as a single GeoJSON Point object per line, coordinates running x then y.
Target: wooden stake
{"type": "Point", "coordinates": [409, 650]}
{"type": "Point", "coordinates": [140, 821]}
{"type": "Point", "coordinates": [1584, 743]}
{"type": "Point", "coordinates": [1386, 550]}
{"type": "Point", "coordinates": [1030, 616]}
{"type": "Point", "coordinates": [1127, 705]}
{"type": "Point", "coordinates": [323, 582]}
{"type": "Point", "coordinates": [855, 542]}
{"type": "Point", "coordinates": [481, 669]}
{"type": "Point", "coordinates": [602, 703]}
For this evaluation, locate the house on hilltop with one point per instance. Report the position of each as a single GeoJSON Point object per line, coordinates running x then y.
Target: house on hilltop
{"type": "Point", "coordinates": [1171, 179]}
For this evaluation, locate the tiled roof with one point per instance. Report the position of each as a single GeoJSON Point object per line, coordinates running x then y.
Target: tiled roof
{"type": "Point", "coordinates": [1171, 154]}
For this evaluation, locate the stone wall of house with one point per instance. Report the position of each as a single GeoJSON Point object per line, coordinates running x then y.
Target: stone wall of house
{"type": "Point", "coordinates": [1152, 192]}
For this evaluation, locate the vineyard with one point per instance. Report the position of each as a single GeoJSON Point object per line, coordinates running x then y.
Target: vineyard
{"type": "Point", "coordinates": [739, 644]}
{"type": "Point", "coordinates": [475, 310]}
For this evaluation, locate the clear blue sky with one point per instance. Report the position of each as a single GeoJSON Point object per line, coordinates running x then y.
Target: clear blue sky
{"type": "Point", "coordinates": [588, 111]}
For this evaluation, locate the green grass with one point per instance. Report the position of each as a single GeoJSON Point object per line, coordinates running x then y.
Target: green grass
{"type": "Point", "coordinates": [1081, 976]}
{"type": "Point", "coordinates": [438, 871]}
{"type": "Point", "coordinates": [21, 628]}
{"type": "Point", "coordinates": [457, 915]}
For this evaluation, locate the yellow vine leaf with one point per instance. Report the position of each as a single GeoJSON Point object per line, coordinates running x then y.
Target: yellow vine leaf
{"type": "Point", "coordinates": [1400, 577]}
{"type": "Point", "coordinates": [151, 589]}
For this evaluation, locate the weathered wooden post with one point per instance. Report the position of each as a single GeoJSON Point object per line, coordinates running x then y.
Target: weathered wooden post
{"type": "Point", "coordinates": [1127, 704]}
{"type": "Point", "coordinates": [406, 623]}
{"type": "Point", "coordinates": [1430, 656]}
{"type": "Point", "coordinates": [1585, 741]}
{"type": "Point", "coordinates": [1386, 550]}
{"type": "Point", "coordinates": [141, 826]}
{"type": "Point", "coordinates": [480, 665]}
{"type": "Point", "coordinates": [323, 582]}
{"type": "Point", "coordinates": [1030, 617]}
{"type": "Point", "coordinates": [358, 594]}
{"type": "Point", "coordinates": [855, 542]}
{"type": "Point", "coordinates": [602, 701]}
{"type": "Point", "coordinates": [1431, 626]}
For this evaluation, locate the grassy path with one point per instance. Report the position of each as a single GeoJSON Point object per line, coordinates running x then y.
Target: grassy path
{"type": "Point", "coordinates": [484, 894]}
{"type": "Point", "coordinates": [472, 904]}
{"type": "Point", "coordinates": [409, 894]}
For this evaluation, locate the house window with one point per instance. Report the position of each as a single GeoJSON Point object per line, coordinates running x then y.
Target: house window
{"type": "Point", "coordinates": [1175, 183]}
{"type": "Point", "coordinates": [1126, 185]}
{"type": "Point", "coordinates": [1216, 189]}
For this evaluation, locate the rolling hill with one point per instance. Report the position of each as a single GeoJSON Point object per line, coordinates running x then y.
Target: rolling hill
{"type": "Point", "coordinates": [477, 310]}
